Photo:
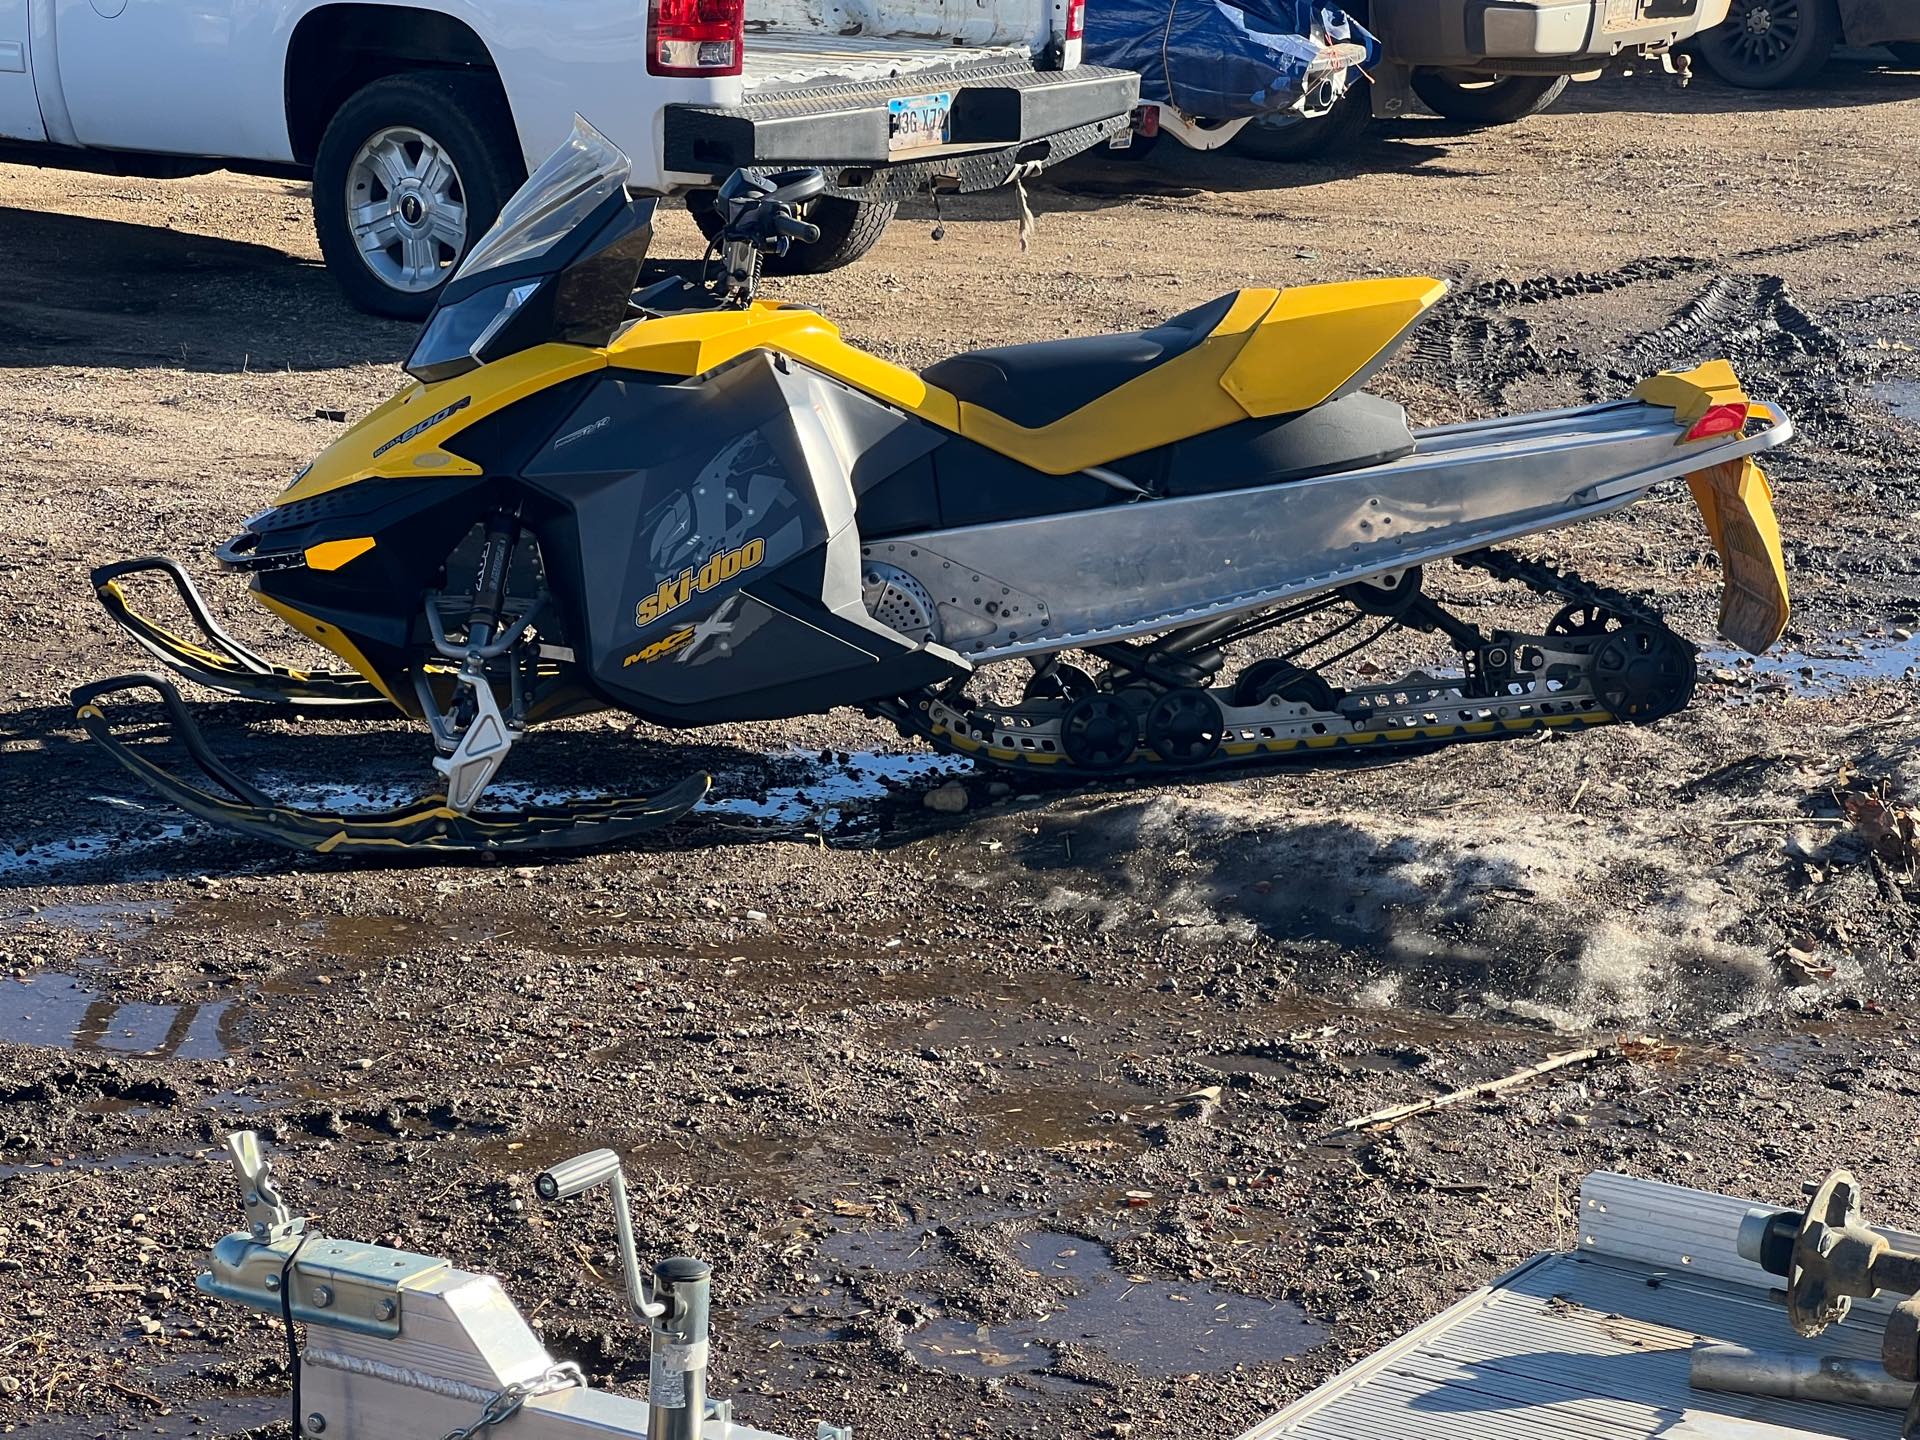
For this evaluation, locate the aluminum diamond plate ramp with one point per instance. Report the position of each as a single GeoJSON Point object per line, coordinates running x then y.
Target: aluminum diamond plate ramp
{"type": "Point", "coordinates": [1593, 1344]}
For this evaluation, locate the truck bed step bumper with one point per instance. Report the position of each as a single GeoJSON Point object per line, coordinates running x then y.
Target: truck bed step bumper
{"type": "Point", "coordinates": [996, 108]}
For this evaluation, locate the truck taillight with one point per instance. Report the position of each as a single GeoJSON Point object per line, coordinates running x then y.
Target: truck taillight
{"type": "Point", "coordinates": [695, 37]}
{"type": "Point", "coordinates": [1076, 19]}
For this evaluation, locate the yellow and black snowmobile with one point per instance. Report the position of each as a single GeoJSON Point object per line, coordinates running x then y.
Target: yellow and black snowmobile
{"type": "Point", "coordinates": [699, 507]}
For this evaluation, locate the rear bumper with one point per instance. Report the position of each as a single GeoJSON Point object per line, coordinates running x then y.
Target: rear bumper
{"type": "Point", "coordinates": [1535, 36]}
{"type": "Point", "coordinates": [1005, 115]}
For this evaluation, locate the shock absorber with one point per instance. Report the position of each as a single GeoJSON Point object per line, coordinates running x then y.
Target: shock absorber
{"type": "Point", "coordinates": [490, 585]}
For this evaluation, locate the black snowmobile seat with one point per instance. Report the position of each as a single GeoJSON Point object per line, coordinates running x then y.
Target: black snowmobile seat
{"type": "Point", "coordinates": [1038, 384]}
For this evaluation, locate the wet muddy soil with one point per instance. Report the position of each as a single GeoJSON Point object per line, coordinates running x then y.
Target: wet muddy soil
{"type": "Point", "coordinates": [1017, 1121]}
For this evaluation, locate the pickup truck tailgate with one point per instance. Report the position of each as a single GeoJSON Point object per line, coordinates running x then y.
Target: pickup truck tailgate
{"type": "Point", "coordinates": [814, 99]}
{"type": "Point", "coordinates": [785, 59]}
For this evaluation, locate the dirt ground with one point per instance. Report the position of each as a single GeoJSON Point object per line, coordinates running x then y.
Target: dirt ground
{"type": "Point", "coordinates": [1013, 1122]}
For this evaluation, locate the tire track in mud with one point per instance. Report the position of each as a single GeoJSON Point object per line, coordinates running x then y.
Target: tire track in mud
{"type": "Point", "coordinates": [1741, 311]}
{"type": "Point", "coordinates": [1468, 346]}
{"type": "Point", "coordinates": [1476, 347]}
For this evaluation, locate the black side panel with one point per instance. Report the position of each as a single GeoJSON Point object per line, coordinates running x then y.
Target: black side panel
{"type": "Point", "coordinates": [1342, 434]}
{"type": "Point", "coordinates": [377, 597]}
{"type": "Point", "coordinates": [977, 485]}
{"type": "Point", "coordinates": [1035, 385]}
{"type": "Point", "coordinates": [704, 533]}
{"type": "Point", "coordinates": [503, 442]}
{"type": "Point", "coordinates": [901, 503]}
{"type": "Point", "coordinates": [964, 483]}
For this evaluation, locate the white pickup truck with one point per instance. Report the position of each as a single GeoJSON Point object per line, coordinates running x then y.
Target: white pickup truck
{"type": "Point", "coordinates": [417, 119]}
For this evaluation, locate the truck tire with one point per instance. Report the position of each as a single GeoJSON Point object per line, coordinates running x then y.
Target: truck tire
{"type": "Point", "coordinates": [1907, 52]}
{"type": "Point", "coordinates": [1486, 99]}
{"type": "Point", "coordinates": [422, 161]}
{"type": "Point", "coordinates": [1772, 44]}
{"type": "Point", "coordinates": [848, 229]}
{"type": "Point", "coordinates": [1292, 140]}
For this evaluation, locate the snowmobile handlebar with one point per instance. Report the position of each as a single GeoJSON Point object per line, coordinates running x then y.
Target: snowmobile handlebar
{"type": "Point", "coordinates": [764, 211]}
{"type": "Point", "coordinates": [760, 215]}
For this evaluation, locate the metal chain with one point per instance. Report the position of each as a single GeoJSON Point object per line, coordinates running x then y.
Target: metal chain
{"type": "Point", "coordinates": [506, 1404]}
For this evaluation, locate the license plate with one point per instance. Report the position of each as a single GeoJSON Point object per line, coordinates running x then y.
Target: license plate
{"type": "Point", "coordinates": [1737, 504]}
{"type": "Point", "coordinates": [916, 120]}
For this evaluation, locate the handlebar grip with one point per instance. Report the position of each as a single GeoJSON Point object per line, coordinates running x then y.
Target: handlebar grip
{"type": "Point", "coordinates": [805, 231]}
{"type": "Point", "coordinates": [577, 1176]}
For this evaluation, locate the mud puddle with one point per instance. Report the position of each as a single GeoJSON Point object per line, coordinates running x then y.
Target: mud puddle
{"type": "Point", "coordinates": [1080, 1298]}
{"type": "Point", "coordinates": [37, 864]}
{"type": "Point", "coordinates": [196, 1419]}
{"type": "Point", "coordinates": [121, 1161]}
{"type": "Point", "coordinates": [827, 793]}
{"type": "Point", "coordinates": [835, 789]}
{"type": "Point", "coordinates": [63, 1012]}
{"type": "Point", "coordinates": [114, 919]}
{"type": "Point", "coordinates": [1829, 667]}
{"type": "Point", "coordinates": [1902, 397]}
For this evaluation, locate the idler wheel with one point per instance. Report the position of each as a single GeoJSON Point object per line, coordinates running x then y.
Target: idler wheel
{"type": "Point", "coordinates": [1641, 673]}
{"type": "Point", "coordinates": [1099, 732]}
{"type": "Point", "coordinates": [1185, 727]}
{"type": "Point", "coordinates": [1266, 680]}
{"type": "Point", "coordinates": [1584, 619]}
{"type": "Point", "coordinates": [1062, 682]}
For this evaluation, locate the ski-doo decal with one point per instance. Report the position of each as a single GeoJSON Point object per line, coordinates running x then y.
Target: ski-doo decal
{"type": "Point", "coordinates": [674, 593]}
{"type": "Point", "coordinates": [665, 645]}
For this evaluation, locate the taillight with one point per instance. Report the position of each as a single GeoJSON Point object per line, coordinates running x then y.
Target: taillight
{"type": "Point", "coordinates": [695, 37]}
{"type": "Point", "coordinates": [1728, 419]}
{"type": "Point", "coordinates": [1076, 19]}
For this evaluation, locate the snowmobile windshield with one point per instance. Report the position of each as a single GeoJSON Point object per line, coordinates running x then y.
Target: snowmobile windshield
{"type": "Point", "coordinates": [558, 265]}
{"type": "Point", "coordinates": [569, 186]}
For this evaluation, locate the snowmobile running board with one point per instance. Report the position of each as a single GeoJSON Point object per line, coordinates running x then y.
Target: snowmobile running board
{"type": "Point", "coordinates": [426, 825]}
{"type": "Point", "coordinates": [403, 1346]}
{"type": "Point", "coordinates": [1464, 487]}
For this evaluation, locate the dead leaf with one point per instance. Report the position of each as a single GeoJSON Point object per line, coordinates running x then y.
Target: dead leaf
{"type": "Point", "coordinates": [1888, 830]}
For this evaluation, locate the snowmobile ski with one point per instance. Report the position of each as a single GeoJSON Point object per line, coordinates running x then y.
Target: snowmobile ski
{"type": "Point", "coordinates": [695, 507]}
{"type": "Point", "coordinates": [426, 825]}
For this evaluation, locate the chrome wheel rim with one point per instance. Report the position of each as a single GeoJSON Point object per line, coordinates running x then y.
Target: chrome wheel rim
{"type": "Point", "coordinates": [406, 208]}
{"type": "Point", "coordinates": [1762, 34]}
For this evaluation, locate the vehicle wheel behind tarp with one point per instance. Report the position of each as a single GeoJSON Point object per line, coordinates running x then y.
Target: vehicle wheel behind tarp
{"type": "Point", "coordinates": [1641, 673]}
{"type": "Point", "coordinates": [1185, 727]}
{"type": "Point", "coordinates": [1473, 99]}
{"type": "Point", "coordinates": [1292, 137]}
{"type": "Point", "coordinates": [1099, 732]}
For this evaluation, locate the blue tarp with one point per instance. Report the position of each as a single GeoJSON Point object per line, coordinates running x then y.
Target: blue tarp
{"type": "Point", "coordinates": [1218, 61]}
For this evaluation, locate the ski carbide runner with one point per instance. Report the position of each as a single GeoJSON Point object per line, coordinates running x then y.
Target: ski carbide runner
{"type": "Point", "coordinates": [1419, 712]}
